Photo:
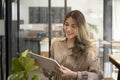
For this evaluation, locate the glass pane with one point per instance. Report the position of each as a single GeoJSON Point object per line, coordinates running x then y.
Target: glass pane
{"type": "Point", "coordinates": [33, 31]}
{"type": "Point", "coordinates": [2, 41]}
{"type": "Point", "coordinates": [57, 18]}
{"type": "Point", "coordinates": [116, 35]}
{"type": "Point", "coordinates": [93, 12]}
{"type": "Point", "coordinates": [35, 22]}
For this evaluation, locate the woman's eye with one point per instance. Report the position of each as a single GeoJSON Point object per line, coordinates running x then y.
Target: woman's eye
{"type": "Point", "coordinates": [66, 24]}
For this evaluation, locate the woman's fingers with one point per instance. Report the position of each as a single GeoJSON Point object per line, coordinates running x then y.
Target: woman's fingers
{"type": "Point", "coordinates": [45, 73]}
{"type": "Point", "coordinates": [63, 67]}
{"type": "Point", "coordinates": [36, 62]}
{"type": "Point", "coordinates": [58, 69]}
{"type": "Point", "coordinates": [48, 74]}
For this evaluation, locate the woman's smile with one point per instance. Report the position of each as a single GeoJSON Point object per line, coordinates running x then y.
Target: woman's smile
{"type": "Point", "coordinates": [70, 28]}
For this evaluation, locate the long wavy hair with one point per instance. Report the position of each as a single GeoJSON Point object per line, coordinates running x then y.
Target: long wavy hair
{"type": "Point", "coordinates": [82, 41]}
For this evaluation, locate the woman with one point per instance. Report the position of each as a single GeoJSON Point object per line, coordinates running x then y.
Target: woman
{"type": "Point", "coordinates": [75, 51]}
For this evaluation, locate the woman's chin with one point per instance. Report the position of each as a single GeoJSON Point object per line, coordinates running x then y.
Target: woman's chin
{"type": "Point", "coordinates": [69, 37]}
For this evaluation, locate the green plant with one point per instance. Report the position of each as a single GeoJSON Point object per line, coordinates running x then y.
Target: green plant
{"type": "Point", "coordinates": [22, 66]}
{"type": "Point", "coordinates": [94, 27]}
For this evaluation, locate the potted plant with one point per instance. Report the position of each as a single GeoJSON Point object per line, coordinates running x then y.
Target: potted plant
{"type": "Point", "coordinates": [94, 27]}
{"type": "Point", "coordinates": [22, 66]}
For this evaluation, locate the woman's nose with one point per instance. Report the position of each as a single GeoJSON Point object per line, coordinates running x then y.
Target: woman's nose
{"type": "Point", "coordinates": [68, 28]}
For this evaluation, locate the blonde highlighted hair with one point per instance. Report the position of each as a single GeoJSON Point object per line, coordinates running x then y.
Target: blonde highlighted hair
{"type": "Point", "coordinates": [82, 42]}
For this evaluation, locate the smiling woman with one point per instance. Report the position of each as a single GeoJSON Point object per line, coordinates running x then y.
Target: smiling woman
{"type": "Point", "coordinates": [75, 51]}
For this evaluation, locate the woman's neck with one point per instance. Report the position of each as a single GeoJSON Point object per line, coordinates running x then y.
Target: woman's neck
{"type": "Point", "coordinates": [70, 43]}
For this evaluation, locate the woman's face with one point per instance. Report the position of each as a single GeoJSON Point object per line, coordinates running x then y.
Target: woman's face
{"type": "Point", "coordinates": [70, 28]}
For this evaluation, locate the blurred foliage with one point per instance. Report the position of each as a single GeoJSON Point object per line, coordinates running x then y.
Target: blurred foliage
{"type": "Point", "coordinates": [22, 66]}
{"type": "Point", "coordinates": [94, 27]}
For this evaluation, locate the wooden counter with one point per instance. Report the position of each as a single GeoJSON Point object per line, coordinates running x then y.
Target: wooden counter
{"type": "Point", "coordinates": [115, 62]}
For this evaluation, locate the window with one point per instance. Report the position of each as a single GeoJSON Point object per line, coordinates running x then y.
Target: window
{"type": "Point", "coordinates": [40, 14]}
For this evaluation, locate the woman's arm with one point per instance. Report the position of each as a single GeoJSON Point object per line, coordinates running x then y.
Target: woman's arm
{"type": "Point", "coordinates": [66, 73]}
{"type": "Point", "coordinates": [93, 73]}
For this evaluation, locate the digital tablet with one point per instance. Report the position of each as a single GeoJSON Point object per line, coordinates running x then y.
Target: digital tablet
{"type": "Point", "coordinates": [45, 62]}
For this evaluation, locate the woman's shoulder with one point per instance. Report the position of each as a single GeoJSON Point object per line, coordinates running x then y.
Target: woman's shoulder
{"type": "Point", "coordinates": [58, 40]}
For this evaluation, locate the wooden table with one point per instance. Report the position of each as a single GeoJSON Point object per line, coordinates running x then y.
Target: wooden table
{"type": "Point", "coordinates": [116, 63]}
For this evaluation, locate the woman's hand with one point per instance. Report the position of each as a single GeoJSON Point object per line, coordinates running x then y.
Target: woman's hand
{"type": "Point", "coordinates": [47, 74]}
{"type": "Point", "coordinates": [65, 72]}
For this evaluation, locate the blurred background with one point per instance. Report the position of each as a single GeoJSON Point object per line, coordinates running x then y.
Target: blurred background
{"type": "Point", "coordinates": [34, 24]}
